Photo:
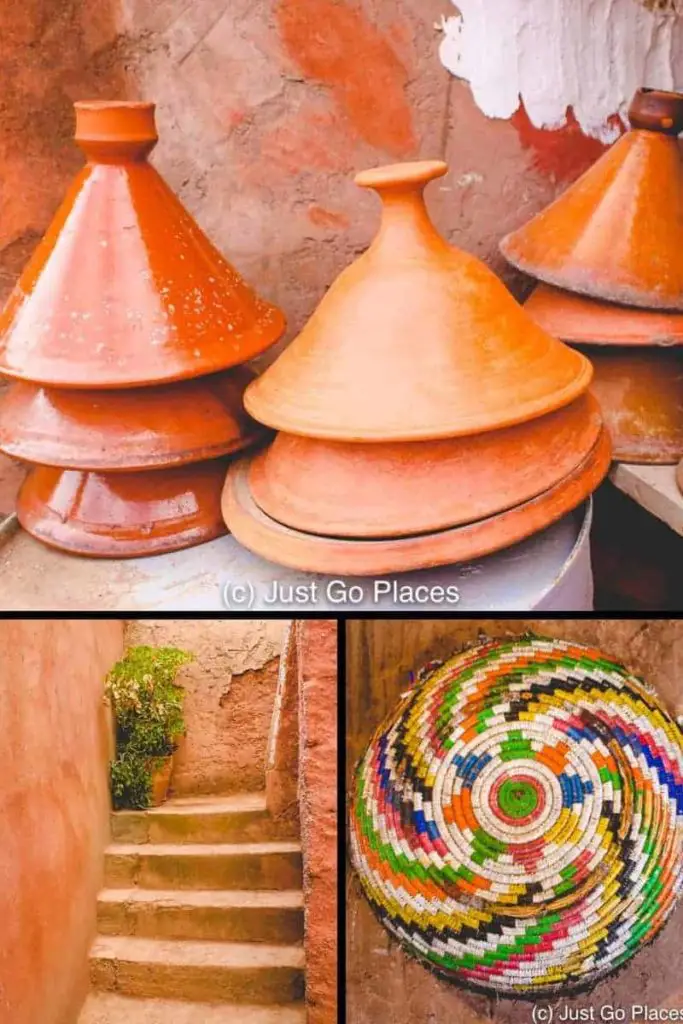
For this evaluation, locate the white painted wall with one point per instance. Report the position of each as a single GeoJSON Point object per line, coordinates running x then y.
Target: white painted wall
{"type": "Point", "coordinates": [588, 54]}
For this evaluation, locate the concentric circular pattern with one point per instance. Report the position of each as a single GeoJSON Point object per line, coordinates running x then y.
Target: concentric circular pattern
{"type": "Point", "coordinates": [518, 820]}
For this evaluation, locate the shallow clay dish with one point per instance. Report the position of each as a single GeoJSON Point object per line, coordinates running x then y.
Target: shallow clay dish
{"type": "Point", "coordinates": [168, 425]}
{"type": "Point", "coordinates": [575, 318]}
{"type": "Point", "coordinates": [343, 489]}
{"type": "Point", "coordinates": [123, 515]}
{"type": "Point", "coordinates": [416, 340]}
{"type": "Point", "coordinates": [125, 290]}
{"type": "Point", "coordinates": [617, 232]}
{"type": "Point", "coordinates": [313, 553]}
{"type": "Point", "coordinates": [640, 392]}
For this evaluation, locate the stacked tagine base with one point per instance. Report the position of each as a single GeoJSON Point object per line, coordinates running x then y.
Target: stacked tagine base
{"type": "Point", "coordinates": [422, 417]}
{"type": "Point", "coordinates": [124, 338]}
{"type": "Point", "coordinates": [609, 254]}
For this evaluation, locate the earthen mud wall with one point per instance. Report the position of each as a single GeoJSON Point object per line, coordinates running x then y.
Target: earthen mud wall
{"type": "Point", "coordinates": [230, 693]}
{"type": "Point", "coordinates": [383, 985]}
{"type": "Point", "coordinates": [266, 108]}
{"type": "Point", "coordinates": [54, 810]}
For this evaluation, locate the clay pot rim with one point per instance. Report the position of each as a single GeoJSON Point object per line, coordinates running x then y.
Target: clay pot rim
{"type": "Point", "coordinates": [313, 553]}
{"type": "Point", "coordinates": [447, 454]}
{"type": "Point", "coordinates": [657, 110]}
{"type": "Point", "coordinates": [549, 295]}
{"type": "Point", "coordinates": [406, 175]}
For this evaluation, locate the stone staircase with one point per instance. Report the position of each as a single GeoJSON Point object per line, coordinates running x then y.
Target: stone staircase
{"type": "Point", "coordinates": [201, 920]}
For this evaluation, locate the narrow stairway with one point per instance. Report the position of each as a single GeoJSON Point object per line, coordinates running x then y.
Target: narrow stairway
{"type": "Point", "coordinates": [201, 920]}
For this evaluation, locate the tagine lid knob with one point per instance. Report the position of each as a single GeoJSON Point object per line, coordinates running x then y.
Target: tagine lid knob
{"type": "Point", "coordinates": [656, 110]}
{"type": "Point", "coordinates": [115, 128]}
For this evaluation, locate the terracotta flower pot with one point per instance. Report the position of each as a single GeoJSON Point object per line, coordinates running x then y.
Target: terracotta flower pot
{"type": "Point", "coordinates": [415, 341]}
{"type": "Point", "coordinates": [314, 553]}
{"type": "Point", "coordinates": [161, 770]}
{"type": "Point", "coordinates": [575, 318]}
{"type": "Point", "coordinates": [123, 515]}
{"type": "Point", "coordinates": [640, 392]}
{"type": "Point", "coordinates": [125, 290]}
{"type": "Point", "coordinates": [168, 425]}
{"type": "Point", "coordinates": [615, 234]}
{"type": "Point", "coordinates": [344, 489]}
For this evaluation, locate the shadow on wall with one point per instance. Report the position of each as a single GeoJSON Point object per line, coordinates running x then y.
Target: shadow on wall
{"type": "Point", "coordinates": [384, 986]}
{"type": "Point", "coordinates": [54, 810]}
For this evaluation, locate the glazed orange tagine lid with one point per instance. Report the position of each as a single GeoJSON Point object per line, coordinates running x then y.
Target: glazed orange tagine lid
{"type": "Point", "coordinates": [416, 340]}
{"type": "Point", "coordinates": [123, 515]}
{"type": "Point", "coordinates": [168, 425]}
{"type": "Point", "coordinates": [617, 233]}
{"type": "Point", "coordinates": [125, 290]}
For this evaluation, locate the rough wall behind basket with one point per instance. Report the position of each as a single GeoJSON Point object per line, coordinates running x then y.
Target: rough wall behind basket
{"type": "Point", "coordinates": [230, 691]}
{"type": "Point", "coordinates": [54, 811]}
{"type": "Point", "coordinates": [383, 985]}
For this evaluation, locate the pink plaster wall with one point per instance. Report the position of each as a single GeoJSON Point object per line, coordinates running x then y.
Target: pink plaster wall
{"type": "Point", "coordinates": [54, 804]}
{"type": "Point", "coordinates": [316, 661]}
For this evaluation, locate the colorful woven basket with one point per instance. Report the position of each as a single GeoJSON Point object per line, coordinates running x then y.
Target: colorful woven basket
{"type": "Point", "coordinates": [518, 819]}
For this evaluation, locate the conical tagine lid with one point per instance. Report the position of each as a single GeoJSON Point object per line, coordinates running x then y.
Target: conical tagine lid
{"type": "Point", "coordinates": [125, 289]}
{"type": "Point", "coordinates": [168, 425]}
{"type": "Point", "coordinates": [416, 340]}
{"type": "Point", "coordinates": [576, 318]}
{"type": "Point", "coordinates": [617, 232]}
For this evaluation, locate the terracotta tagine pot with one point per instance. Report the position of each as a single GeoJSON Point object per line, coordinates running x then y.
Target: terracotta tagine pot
{"type": "Point", "coordinates": [352, 557]}
{"type": "Point", "coordinates": [125, 290]}
{"type": "Point", "coordinates": [640, 392]}
{"type": "Point", "coordinates": [415, 341]}
{"type": "Point", "coordinates": [346, 489]}
{"type": "Point", "coordinates": [587, 321]}
{"type": "Point", "coordinates": [423, 417]}
{"type": "Point", "coordinates": [110, 431]}
{"type": "Point", "coordinates": [616, 233]}
{"type": "Point", "coordinates": [638, 362]}
{"type": "Point", "coordinates": [123, 515]}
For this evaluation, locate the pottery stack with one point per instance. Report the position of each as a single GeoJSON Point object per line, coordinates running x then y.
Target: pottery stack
{"type": "Point", "coordinates": [117, 338]}
{"type": "Point", "coordinates": [423, 417]}
{"type": "Point", "coordinates": [609, 254]}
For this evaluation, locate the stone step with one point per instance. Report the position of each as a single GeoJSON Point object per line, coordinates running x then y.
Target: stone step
{"type": "Point", "coordinates": [253, 973]}
{"type": "Point", "coordinates": [275, 865]}
{"type": "Point", "coordinates": [232, 915]}
{"type": "Point", "coordinates": [212, 819]}
{"type": "Point", "coordinates": [107, 1008]}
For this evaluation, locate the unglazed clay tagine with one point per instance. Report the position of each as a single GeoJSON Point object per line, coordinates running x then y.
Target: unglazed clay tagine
{"type": "Point", "coordinates": [123, 515]}
{"type": "Point", "coordinates": [616, 234]}
{"type": "Point", "coordinates": [125, 290]}
{"type": "Point", "coordinates": [415, 341]}
{"type": "Point", "coordinates": [168, 425]}
{"type": "Point", "coordinates": [575, 318]}
{"type": "Point", "coordinates": [640, 392]}
{"type": "Point", "coordinates": [345, 489]}
{"type": "Point", "coordinates": [332, 555]}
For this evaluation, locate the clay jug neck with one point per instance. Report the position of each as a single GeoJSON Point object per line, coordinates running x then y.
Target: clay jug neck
{"type": "Point", "coordinates": [656, 110]}
{"type": "Point", "coordinates": [115, 131]}
{"type": "Point", "coordinates": [406, 226]}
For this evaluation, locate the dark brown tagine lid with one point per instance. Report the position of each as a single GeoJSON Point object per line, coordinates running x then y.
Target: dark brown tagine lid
{"type": "Point", "coordinates": [125, 290]}
{"type": "Point", "coordinates": [617, 233]}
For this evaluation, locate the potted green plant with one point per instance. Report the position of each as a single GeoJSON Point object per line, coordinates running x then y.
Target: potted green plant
{"type": "Point", "coordinates": [148, 711]}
